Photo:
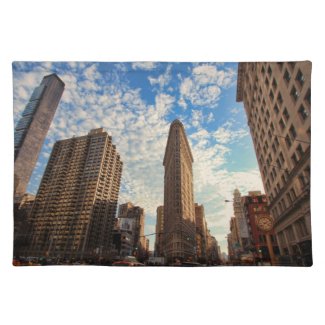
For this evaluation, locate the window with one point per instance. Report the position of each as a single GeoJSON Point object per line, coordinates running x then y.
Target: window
{"type": "Point", "coordinates": [301, 227]}
{"type": "Point", "coordinates": [288, 141]}
{"type": "Point", "coordinates": [290, 233]}
{"type": "Point", "coordinates": [265, 121]}
{"type": "Point", "coordinates": [286, 114]}
{"type": "Point", "coordinates": [273, 148]}
{"type": "Point", "coordinates": [300, 78]}
{"type": "Point", "coordinates": [272, 176]}
{"type": "Point", "coordinates": [276, 109]}
{"type": "Point", "coordinates": [280, 99]}
{"type": "Point", "coordinates": [272, 127]}
{"type": "Point", "coordinates": [276, 141]}
{"type": "Point", "coordinates": [281, 158]}
{"type": "Point", "coordinates": [308, 97]}
{"type": "Point", "coordinates": [294, 159]}
{"type": "Point", "coordinates": [287, 76]}
{"type": "Point", "coordinates": [293, 132]}
{"type": "Point", "coordinates": [263, 69]}
{"type": "Point", "coordinates": [271, 95]}
{"type": "Point", "coordinates": [280, 65]}
{"type": "Point", "coordinates": [282, 124]}
{"type": "Point", "coordinates": [303, 113]}
{"type": "Point", "coordinates": [294, 93]}
{"type": "Point", "coordinates": [274, 84]}
{"type": "Point", "coordinates": [302, 180]}
{"type": "Point", "coordinates": [269, 71]}
{"type": "Point", "coordinates": [267, 82]}
{"type": "Point", "coordinates": [292, 65]}
{"type": "Point", "coordinates": [284, 204]}
{"type": "Point", "coordinates": [267, 115]}
{"type": "Point", "coordinates": [278, 163]}
{"type": "Point", "coordinates": [289, 198]}
{"type": "Point", "coordinates": [300, 151]}
{"type": "Point", "coordinates": [274, 173]}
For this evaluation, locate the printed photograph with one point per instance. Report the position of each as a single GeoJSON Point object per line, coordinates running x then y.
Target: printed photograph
{"type": "Point", "coordinates": [180, 164]}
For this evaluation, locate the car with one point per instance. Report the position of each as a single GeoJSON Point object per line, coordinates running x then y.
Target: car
{"type": "Point", "coordinates": [128, 261]}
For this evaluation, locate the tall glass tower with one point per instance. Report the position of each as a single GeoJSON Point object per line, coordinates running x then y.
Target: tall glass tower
{"type": "Point", "coordinates": [31, 129]}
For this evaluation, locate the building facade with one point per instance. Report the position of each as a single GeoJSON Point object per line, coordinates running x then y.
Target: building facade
{"type": "Point", "coordinates": [22, 226]}
{"type": "Point", "coordinates": [212, 250]}
{"type": "Point", "coordinates": [255, 205]}
{"type": "Point", "coordinates": [179, 213]}
{"type": "Point", "coordinates": [234, 248]}
{"type": "Point", "coordinates": [75, 206]}
{"type": "Point", "coordinates": [242, 228]}
{"type": "Point", "coordinates": [201, 233]}
{"type": "Point", "coordinates": [277, 101]}
{"type": "Point", "coordinates": [131, 218]}
{"type": "Point", "coordinates": [31, 129]}
{"type": "Point", "coordinates": [159, 231]}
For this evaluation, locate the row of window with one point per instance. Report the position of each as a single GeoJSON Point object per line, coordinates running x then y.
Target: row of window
{"type": "Point", "coordinates": [288, 235]}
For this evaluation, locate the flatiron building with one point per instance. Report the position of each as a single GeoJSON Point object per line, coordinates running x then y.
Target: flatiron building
{"type": "Point", "coordinates": [179, 240]}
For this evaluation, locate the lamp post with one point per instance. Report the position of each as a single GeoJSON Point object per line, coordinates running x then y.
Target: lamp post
{"type": "Point", "coordinates": [265, 223]}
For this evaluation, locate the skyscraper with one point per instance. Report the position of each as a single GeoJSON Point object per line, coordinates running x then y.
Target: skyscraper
{"type": "Point", "coordinates": [179, 213]}
{"type": "Point", "coordinates": [277, 99]}
{"type": "Point", "coordinates": [75, 206]}
{"type": "Point", "coordinates": [201, 233]}
{"type": "Point", "coordinates": [240, 219]}
{"type": "Point", "coordinates": [31, 129]}
{"type": "Point", "coordinates": [159, 231]}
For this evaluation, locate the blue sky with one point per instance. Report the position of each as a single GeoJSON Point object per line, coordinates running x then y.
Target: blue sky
{"type": "Point", "coordinates": [136, 102]}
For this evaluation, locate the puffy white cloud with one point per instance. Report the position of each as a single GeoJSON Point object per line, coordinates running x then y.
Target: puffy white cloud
{"type": "Point", "coordinates": [203, 87]}
{"type": "Point", "coordinates": [163, 79]}
{"type": "Point", "coordinates": [148, 65]}
{"type": "Point", "coordinates": [227, 134]}
{"type": "Point", "coordinates": [91, 73]}
{"type": "Point", "coordinates": [197, 118]}
{"type": "Point", "coordinates": [234, 111]}
{"type": "Point", "coordinates": [210, 117]}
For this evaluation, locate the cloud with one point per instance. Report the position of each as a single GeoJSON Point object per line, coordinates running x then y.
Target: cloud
{"type": "Point", "coordinates": [144, 65]}
{"type": "Point", "coordinates": [197, 118]}
{"type": "Point", "coordinates": [203, 87]}
{"type": "Point", "coordinates": [234, 111]}
{"type": "Point", "coordinates": [91, 73]}
{"type": "Point", "coordinates": [163, 79]}
{"type": "Point", "coordinates": [226, 134]}
{"type": "Point", "coordinates": [210, 117]}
